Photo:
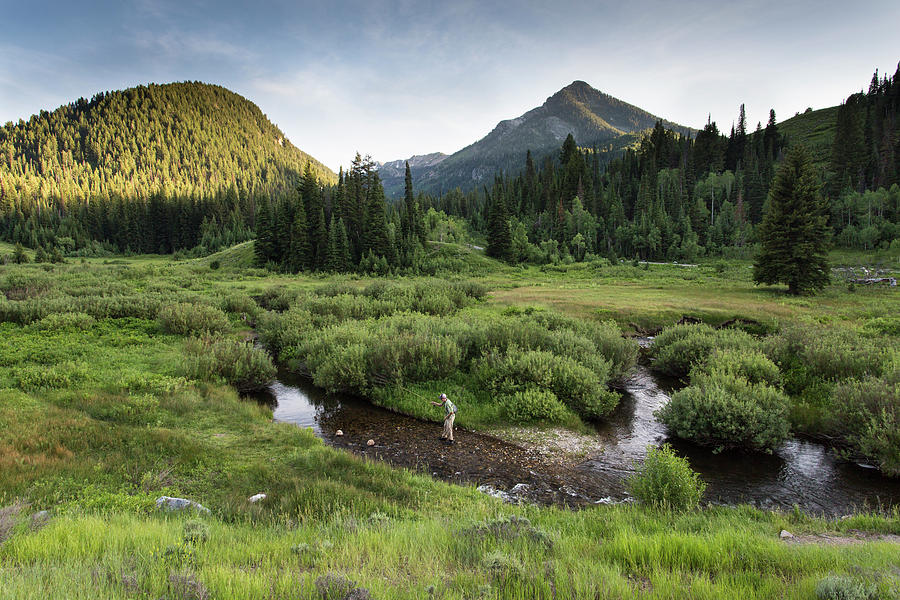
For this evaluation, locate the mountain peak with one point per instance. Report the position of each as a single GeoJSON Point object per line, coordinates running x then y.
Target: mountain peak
{"type": "Point", "coordinates": [577, 86]}
{"type": "Point", "coordinates": [592, 117]}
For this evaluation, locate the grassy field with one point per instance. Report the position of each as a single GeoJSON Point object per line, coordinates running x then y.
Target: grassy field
{"type": "Point", "coordinates": [100, 414]}
{"type": "Point", "coordinates": [815, 130]}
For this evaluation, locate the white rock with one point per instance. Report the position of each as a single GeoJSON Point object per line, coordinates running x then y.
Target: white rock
{"type": "Point", "coordinates": [370, 443]}
{"type": "Point", "coordinates": [339, 433]}
{"type": "Point", "coordinates": [170, 503]}
{"type": "Point", "coordinates": [785, 534]}
{"type": "Point", "coordinates": [256, 498]}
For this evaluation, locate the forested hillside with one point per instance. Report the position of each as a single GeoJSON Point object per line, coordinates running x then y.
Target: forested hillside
{"type": "Point", "coordinates": [195, 167]}
{"type": "Point", "coordinates": [679, 198]}
{"type": "Point", "coordinates": [141, 168]}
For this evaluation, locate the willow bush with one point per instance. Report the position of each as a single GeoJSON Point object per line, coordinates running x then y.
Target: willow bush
{"type": "Point", "coordinates": [185, 318]}
{"type": "Point", "coordinates": [666, 481]}
{"type": "Point", "coordinates": [235, 362]}
{"type": "Point", "coordinates": [676, 349]}
{"type": "Point", "coordinates": [724, 411]}
{"type": "Point", "coordinates": [361, 339]}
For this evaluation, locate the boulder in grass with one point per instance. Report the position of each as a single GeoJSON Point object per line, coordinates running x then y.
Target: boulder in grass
{"type": "Point", "coordinates": [256, 498]}
{"type": "Point", "coordinates": [169, 503]}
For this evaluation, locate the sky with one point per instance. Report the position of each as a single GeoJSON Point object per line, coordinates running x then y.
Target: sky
{"type": "Point", "coordinates": [394, 79]}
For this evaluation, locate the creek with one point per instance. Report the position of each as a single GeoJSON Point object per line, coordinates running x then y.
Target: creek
{"type": "Point", "coordinates": [802, 473]}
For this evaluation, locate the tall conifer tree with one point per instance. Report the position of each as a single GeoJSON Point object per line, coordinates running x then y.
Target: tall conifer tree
{"type": "Point", "coordinates": [794, 232]}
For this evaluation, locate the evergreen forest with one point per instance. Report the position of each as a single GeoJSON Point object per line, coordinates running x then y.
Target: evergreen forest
{"type": "Point", "coordinates": [195, 168]}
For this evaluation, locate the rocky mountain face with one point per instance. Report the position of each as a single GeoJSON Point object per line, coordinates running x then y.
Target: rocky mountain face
{"type": "Point", "coordinates": [592, 117]}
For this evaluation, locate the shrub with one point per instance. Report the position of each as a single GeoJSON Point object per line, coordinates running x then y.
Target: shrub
{"type": "Point", "coordinates": [665, 480]}
{"type": "Point", "coordinates": [236, 362]}
{"type": "Point", "coordinates": [238, 303]}
{"type": "Point", "coordinates": [21, 286]}
{"type": "Point", "coordinates": [574, 384]}
{"type": "Point", "coordinates": [278, 299]}
{"type": "Point", "coordinates": [342, 370]}
{"type": "Point", "coordinates": [185, 318]}
{"type": "Point", "coordinates": [532, 404]}
{"type": "Point", "coordinates": [503, 566]}
{"type": "Point", "coordinates": [606, 337]}
{"type": "Point", "coordinates": [195, 532]}
{"type": "Point", "coordinates": [286, 330]}
{"type": "Point", "coordinates": [678, 348]}
{"type": "Point", "coordinates": [726, 411]}
{"type": "Point", "coordinates": [804, 353]}
{"type": "Point", "coordinates": [843, 588]}
{"type": "Point", "coordinates": [334, 586]}
{"type": "Point", "coordinates": [751, 365]}
{"type": "Point", "coordinates": [66, 321]}
{"type": "Point", "coordinates": [472, 289]}
{"type": "Point", "coordinates": [855, 403]}
{"type": "Point", "coordinates": [881, 441]}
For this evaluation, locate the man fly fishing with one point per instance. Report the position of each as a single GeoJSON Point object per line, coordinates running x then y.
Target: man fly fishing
{"type": "Point", "coordinates": [449, 416]}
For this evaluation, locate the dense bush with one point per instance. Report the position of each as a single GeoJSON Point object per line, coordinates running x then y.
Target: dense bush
{"type": "Point", "coordinates": [25, 284]}
{"type": "Point", "coordinates": [666, 480]}
{"type": "Point", "coordinates": [238, 303]}
{"type": "Point", "coordinates": [389, 332]}
{"type": "Point", "coordinates": [752, 365]}
{"type": "Point", "coordinates": [606, 337]}
{"type": "Point", "coordinates": [881, 440]}
{"type": "Point", "coordinates": [186, 318]}
{"type": "Point", "coordinates": [806, 353]}
{"type": "Point", "coordinates": [844, 588]}
{"type": "Point", "coordinates": [236, 362]}
{"type": "Point", "coordinates": [866, 415]}
{"type": "Point", "coordinates": [277, 298]}
{"type": "Point", "coordinates": [534, 404]}
{"type": "Point", "coordinates": [66, 321]}
{"type": "Point", "coordinates": [581, 389]}
{"type": "Point", "coordinates": [723, 410]}
{"type": "Point", "coordinates": [678, 348]}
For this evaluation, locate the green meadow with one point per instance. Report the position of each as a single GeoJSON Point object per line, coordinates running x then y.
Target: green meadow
{"type": "Point", "coordinates": [118, 384]}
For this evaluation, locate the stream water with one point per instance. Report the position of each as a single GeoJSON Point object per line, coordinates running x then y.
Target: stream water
{"type": "Point", "coordinates": [801, 473]}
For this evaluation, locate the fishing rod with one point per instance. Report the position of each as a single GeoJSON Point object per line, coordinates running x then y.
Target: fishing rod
{"type": "Point", "coordinates": [385, 381]}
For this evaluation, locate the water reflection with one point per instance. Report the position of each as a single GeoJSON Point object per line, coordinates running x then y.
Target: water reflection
{"type": "Point", "coordinates": [800, 472]}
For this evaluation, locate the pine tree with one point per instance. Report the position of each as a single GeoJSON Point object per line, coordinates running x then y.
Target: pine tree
{"type": "Point", "coordinates": [315, 215]}
{"type": "Point", "coordinates": [300, 250]}
{"type": "Point", "coordinates": [499, 241]}
{"type": "Point", "coordinates": [335, 259]}
{"type": "Point", "coordinates": [376, 237]}
{"type": "Point", "coordinates": [19, 256]}
{"type": "Point", "coordinates": [794, 231]}
{"type": "Point", "coordinates": [264, 248]}
{"type": "Point", "coordinates": [284, 218]}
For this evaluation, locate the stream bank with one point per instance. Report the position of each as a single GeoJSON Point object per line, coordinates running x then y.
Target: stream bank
{"type": "Point", "coordinates": [572, 469]}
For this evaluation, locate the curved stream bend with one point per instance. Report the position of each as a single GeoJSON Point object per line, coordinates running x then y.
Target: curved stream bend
{"type": "Point", "coordinates": [800, 473]}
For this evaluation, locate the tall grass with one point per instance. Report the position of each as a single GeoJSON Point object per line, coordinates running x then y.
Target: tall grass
{"type": "Point", "coordinates": [488, 551]}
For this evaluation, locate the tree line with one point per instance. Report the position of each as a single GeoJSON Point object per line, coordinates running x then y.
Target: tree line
{"type": "Point", "coordinates": [132, 172]}
{"type": "Point", "coordinates": [345, 227]}
{"type": "Point", "coordinates": [676, 197]}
